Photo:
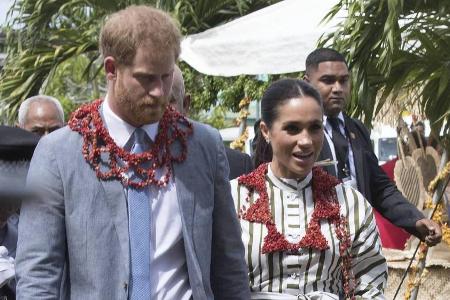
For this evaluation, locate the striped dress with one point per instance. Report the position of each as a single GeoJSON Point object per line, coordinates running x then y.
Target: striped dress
{"type": "Point", "coordinates": [310, 274]}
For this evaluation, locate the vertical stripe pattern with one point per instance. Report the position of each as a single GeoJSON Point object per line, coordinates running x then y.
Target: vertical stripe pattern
{"type": "Point", "coordinates": [311, 272]}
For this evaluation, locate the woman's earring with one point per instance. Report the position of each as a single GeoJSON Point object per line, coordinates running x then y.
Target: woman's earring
{"type": "Point", "coordinates": [267, 141]}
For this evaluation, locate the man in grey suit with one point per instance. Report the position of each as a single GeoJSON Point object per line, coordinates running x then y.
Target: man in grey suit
{"type": "Point", "coordinates": [133, 198]}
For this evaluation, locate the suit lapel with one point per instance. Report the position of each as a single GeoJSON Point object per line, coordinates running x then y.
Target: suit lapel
{"type": "Point", "coordinates": [186, 201]}
{"type": "Point", "coordinates": [117, 205]}
{"type": "Point", "coordinates": [326, 153]}
{"type": "Point", "coordinates": [357, 150]}
{"type": "Point", "coordinates": [182, 174]}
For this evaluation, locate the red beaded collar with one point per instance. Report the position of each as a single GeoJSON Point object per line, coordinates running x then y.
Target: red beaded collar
{"type": "Point", "coordinates": [173, 128]}
{"type": "Point", "coordinates": [326, 208]}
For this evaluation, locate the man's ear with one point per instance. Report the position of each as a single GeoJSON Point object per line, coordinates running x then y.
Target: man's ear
{"type": "Point", "coordinates": [306, 78]}
{"type": "Point", "coordinates": [186, 104]}
{"type": "Point", "coordinates": [110, 66]}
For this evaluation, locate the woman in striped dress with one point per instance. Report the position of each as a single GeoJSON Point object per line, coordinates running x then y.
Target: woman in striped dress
{"type": "Point", "coordinates": [306, 235]}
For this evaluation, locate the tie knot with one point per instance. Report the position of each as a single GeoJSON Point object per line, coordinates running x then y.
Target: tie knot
{"type": "Point", "coordinates": [139, 136]}
{"type": "Point", "coordinates": [334, 122]}
{"type": "Point", "coordinates": [140, 143]}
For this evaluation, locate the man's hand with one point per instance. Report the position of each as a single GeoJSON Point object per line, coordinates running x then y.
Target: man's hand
{"type": "Point", "coordinates": [430, 232]}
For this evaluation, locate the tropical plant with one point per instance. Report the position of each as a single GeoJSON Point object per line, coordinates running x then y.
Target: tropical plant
{"type": "Point", "coordinates": [397, 48]}
{"type": "Point", "coordinates": [44, 34]}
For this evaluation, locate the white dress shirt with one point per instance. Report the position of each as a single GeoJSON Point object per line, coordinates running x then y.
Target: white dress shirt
{"type": "Point", "coordinates": [329, 135]}
{"type": "Point", "coordinates": [168, 269]}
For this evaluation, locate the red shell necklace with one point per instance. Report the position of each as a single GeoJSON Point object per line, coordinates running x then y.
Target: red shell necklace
{"type": "Point", "coordinates": [173, 127]}
{"type": "Point", "coordinates": [326, 207]}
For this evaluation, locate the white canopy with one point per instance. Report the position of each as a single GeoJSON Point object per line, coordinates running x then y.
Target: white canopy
{"type": "Point", "coordinates": [273, 40]}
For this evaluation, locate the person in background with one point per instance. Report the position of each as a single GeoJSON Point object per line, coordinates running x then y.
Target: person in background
{"type": "Point", "coordinates": [239, 163]}
{"type": "Point", "coordinates": [41, 114]}
{"type": "Point", "coordinates": [347, 141]}
{"type": "Point", "coordinates": [306, 235]}
{"type": "Point", "coordinates": [16, 150]}
{"type": "Point", "coordinates": [131, 197]}
{"type": "Point", "coordinates": [178, 97]}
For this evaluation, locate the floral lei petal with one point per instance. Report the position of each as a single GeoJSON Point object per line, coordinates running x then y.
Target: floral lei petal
{"type": "Point", "coordinates": [173, 127]}
{"type": "Point", "coordinates": [326, 208]}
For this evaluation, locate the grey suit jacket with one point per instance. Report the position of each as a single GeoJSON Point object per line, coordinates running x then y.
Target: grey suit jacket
{"type": "Point", "coordinates": [76, 229]}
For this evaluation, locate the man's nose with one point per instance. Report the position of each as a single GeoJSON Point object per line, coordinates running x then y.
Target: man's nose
{"type": "Point", "coordinates": [337, 87]}
{"type": "Point", "coordinates": [157, 88]}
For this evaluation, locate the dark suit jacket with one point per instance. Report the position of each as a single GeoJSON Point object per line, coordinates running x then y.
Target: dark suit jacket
{"type": "Point", "coordinates": [240, 163]}
{"type": "Point", "coordinates": [372, 181]}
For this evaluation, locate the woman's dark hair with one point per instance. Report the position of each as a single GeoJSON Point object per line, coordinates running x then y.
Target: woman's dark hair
{"type": "Point", "coordinates": [276, 95]}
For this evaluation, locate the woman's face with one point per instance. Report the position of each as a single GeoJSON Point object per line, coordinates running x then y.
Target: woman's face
{"type": "Point", "coordinates": [296, 137]}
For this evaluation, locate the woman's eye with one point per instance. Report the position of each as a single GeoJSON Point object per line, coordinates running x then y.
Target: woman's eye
{"type": "Point", "coordinates": [316, 127]}
{"type": "Point", "coordinates": [291, 129]}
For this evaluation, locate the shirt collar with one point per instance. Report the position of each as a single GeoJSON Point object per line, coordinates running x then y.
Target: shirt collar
{"type": "Point", "coordinates": [121, 131]}
{"type": "Point", "coordinates": [340, 116]}
{"type": "Point", "coordinates": [287, 183]}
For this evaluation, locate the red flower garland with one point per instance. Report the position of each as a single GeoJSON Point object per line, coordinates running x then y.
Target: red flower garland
{"type": "Point", "coordinates": [326, 207]}
{"type": "Point", "coordinates": [87, 121]}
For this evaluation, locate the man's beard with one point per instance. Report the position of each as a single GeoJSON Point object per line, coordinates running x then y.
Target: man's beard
{"type": "Point", "coordinates": [138, 109]}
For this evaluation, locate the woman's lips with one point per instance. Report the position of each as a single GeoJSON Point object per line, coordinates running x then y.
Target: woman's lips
{"type": "Point", "coordinates": [302, 156]}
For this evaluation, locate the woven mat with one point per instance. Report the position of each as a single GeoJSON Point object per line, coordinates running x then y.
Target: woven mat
{"type": "Point", "coordinates": [436, 283]}
{"type": "Point", "coordinates": [435, 286]}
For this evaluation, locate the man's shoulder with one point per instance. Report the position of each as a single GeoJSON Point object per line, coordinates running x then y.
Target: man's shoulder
{"type": "Point", "coordinates": [202, 126]}
{"type": "Point", "coordinates": [352, 120]}
{"type": "Point", "coordinates": [358, 125]}
{"type": "Point", "coordinates": [232, 153]}
{"type": "Point", "coordinates": [204, 131]}
{"type": "Point", "coordinates": [63, 134]}
{"type": "Point", "coordinates": [62, 141]}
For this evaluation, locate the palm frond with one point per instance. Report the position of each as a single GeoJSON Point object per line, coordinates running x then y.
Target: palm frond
{"type": "Point", "coordinates": [394, 48]}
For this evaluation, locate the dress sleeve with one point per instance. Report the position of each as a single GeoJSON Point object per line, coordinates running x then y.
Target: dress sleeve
{"type": "Point", "coordinates": [368, 264]}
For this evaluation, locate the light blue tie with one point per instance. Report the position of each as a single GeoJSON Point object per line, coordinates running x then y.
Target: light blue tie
{"type": "Point", "coordinates": [139, 227]}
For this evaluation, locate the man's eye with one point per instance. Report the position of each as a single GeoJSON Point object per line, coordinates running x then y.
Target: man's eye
{"type": "Point", "coordinates": [38, 131]}
{"type": "Point", "coordinates": [328, 80]}
{"type": "Point", "coordinates": [145, 78]}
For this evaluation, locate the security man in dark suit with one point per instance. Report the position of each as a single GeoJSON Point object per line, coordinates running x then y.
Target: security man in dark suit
{"type": "Point", "coordinates": [240, 163]}
{"type": "Point", "coordinates": [347, 141]}
{"type": "Point", "coordinates": [16, 150]}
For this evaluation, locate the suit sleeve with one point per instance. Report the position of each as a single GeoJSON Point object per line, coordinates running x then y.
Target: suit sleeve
{"type": "Point", "coordinates": [248, 164]}
{"type": "Point", "coordinates": [42, 246]}
{"type": "Point", "coordinates": [384, 195]}
{"type": "Point", "coordinates": [228, 268]}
